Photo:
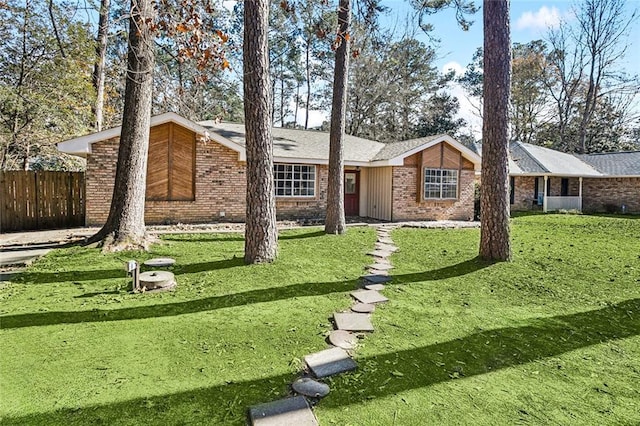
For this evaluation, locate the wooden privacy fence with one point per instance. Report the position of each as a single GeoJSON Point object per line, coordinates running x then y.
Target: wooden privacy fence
{"type": "Point", "coordinates": [41, 200]}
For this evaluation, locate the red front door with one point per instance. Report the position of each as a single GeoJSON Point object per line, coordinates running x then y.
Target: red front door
{"type": "Point", "coordinates": [351, 193]}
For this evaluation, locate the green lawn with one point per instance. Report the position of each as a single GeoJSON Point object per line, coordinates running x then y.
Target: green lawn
{"type": "Point", "coordinates": [550, 338]}
{"type": "Point", "coordinates": [76, 348]}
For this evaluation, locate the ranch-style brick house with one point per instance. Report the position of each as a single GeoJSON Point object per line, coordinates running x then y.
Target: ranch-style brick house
{"type": "Point", "coordinates": [197, 173]}
{"type": "Point", "coordinates": [549, 180]}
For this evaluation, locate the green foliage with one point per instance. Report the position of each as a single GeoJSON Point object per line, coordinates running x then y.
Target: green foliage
{"type": "Point", "coordinates": [45, 82]}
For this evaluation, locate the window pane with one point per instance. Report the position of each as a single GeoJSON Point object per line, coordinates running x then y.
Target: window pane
{"type": "Point", "coordinates": [294, 180]}
{"type": "Point", "coordinates": [440, 184]}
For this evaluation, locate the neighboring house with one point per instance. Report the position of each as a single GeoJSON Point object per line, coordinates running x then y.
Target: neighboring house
{"type": "Point", "coordinates": [542, 178]}
{"type": "Point", "coordinates": [196, 173]}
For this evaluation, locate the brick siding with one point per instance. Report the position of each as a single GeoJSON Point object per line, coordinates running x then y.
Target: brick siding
{"type": "Point", "coordinates": [407, 207]}
{"type": "Point", "coordinates": [601, 194]}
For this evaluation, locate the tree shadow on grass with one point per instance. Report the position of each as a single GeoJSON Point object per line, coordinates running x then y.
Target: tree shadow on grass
{"type": "Point", "coordinates": [105, 274]}
{"type": "Point", "coordinates": [457, 270]}
{"type": "Point", "coordinates": [225, 237]}
{"type": "Point", "coordinates": [215, 302]}
{"type": "Point", "coordinates": [379, 376]}
{"type": "Point", "coordinates": [178, 308]}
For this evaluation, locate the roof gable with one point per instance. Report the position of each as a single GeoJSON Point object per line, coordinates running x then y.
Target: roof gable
{"type": "Point", "coordinates": [81, 146]}
{"type": "Point", "coordinates": [394, 153]}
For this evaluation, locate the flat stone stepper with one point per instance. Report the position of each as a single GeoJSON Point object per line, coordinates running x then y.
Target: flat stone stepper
{"type": "Point", "coordinates": [329, 362]}
{"type": "Point", "coordinates": [289, 411]}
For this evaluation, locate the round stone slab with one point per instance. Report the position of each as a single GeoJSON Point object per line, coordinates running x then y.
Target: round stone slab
{"type": "Point", "coordinates": [343, 339]}
{"type": "Point", "coordinates": [155, 280]}
{"type": "Point", "coordinates": [363, 308]}
{"type": "Point", "coordinates": [310, 387]}
{"type": "Point", "coordinates": [160, 262]}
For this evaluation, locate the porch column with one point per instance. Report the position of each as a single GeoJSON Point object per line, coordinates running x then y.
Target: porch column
{"type": "Point", "coordinates": [544, 200]}
{"type": "Point", "coordinates": [580, 194]}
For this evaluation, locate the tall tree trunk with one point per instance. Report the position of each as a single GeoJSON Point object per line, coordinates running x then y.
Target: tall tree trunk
{"type": "Point", "coordinates": [308, 70]}
{"type": "Point", "coordinates": [98, 69]}
{"type": "Point", "coordinates": [125, 227]}
{"type": "Point", "coordinates": [494, 199]}
{"type": "Point", "coordinates": [335, 221]}
{"type": "Point", "coordinates": [261, 235]}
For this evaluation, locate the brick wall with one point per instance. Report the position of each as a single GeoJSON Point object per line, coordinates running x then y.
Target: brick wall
{"type": "Point", "coordinates": [598, 194]}
{"type": "Point", "coordinates": [523, 195]}
{"type": "Point", "coordinates": [220, 188]}
{"type": "Point", "coordinates": [405, 195]}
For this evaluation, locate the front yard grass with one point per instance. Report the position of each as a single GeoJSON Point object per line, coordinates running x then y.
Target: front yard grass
{"type": "Point", "coordinates": [550, 338]}
{"type": "Point", "coordinates": [77, 348]}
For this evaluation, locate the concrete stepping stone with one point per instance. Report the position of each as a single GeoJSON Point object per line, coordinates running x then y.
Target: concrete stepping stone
{"type": "Point", "coordinates": [369, 296]}
{"type": "Point", "coordinates": [376, 287]}
{"type": "Point", "coordinates": [353, 321]}
{"type": "Point", "coordinates": [363, 308]}
{"type": "Point", "coordinates": [380, 253]}
{"type": "Point", "coordinates": [377, 272]}
{"type": "Point", "coordinates": [381, 266]}
{"type": "Point", "coordinates": [329, 362]}
{"type": "Point", "coordinates": [376, 279]}
{"type": "Point", "coordinates": [311, 388]}
{"type": "Point", "coordinates": [288, 411]}
{"type": "Point", "coordinates": [160, 262]}
{"type": "Point", "coordinates": [386, 247]}
{"type": "Point", "coordinates": [343, 339]}
{"type": "Point", "coordinates": [385, 240]}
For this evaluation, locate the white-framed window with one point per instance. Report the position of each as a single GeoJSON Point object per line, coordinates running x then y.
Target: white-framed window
{"type": "Point", "coordinates": [440, 184]}
{"type": "Point", "coordinates": [295, 180]}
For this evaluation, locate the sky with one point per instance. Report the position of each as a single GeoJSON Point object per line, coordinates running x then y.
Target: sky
{"type": "Point", "coordinates": [529, 21]}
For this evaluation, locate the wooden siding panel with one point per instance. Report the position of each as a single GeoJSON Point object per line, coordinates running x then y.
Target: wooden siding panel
{"type": "Point", "coordinates": [158, 163]}
{"type": "Point", "coordinates": [467, 165]}
{"type": "Point", "coordinates": [450, 157]}
{"type": "Point", "coordinates": [380, 193]}
{"type": "Point", "coordinates": [431, 157]}
{"type": "Point", "coordinates": [182, 164]}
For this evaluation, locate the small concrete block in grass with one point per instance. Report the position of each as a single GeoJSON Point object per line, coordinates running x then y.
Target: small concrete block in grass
{"type": "Point", "coordinates": [311, 388]}
{"type": "Point", "coordinates": [363, 308]}
{"type": "Point", "coordinates": [369, 296]}
{"type": "Point", "coordinates": [329, 362]}
{"type": "Point", "coordinates": [380, 253]}
{"type": "Point", "coordinates": [353, 322]}
{"type": "Point", "coordinates": [343, 339]}
{"type": "Point", "coordinates": [381, 266]}
{"type": "Point", "coordinates": [386, 247]}
{"type": "Point", "coordinates": [288, 411]}
{"type": "Point", "coordinates": [376, 279]}
{"type": "Point", "coordinates": [385, 240]}
{"type": "Point", "coordinates": [376, 287]}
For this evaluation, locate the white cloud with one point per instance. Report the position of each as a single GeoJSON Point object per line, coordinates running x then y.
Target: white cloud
{"type": "Point", "coordinates": [468, 106]}
{"type": "Point", "coordinates": [316, 118]}
{"type": "Point", "coordinates": [453, 65]}
{"type": "Point", "coordinates": [542, 19]}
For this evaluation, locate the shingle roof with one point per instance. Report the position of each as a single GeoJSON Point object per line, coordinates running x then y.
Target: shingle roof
{"type": "Point", "coordinates": [307, 144]}
{"type": "Point", "coordinates": [533, 159]}
{"type": "Point", "coordinates": [394, 149]}
{"type": "Point", "coordinates": [615, 163]}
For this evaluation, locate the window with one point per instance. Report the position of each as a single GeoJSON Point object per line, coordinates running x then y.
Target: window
{"type": "Point", "coordinates": [440, 184]}
{"type": "Point", "coordinates": [295, 180]}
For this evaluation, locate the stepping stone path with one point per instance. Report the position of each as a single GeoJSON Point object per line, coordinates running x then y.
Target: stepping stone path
{"type": "Point", "coordinates": [311, 388]}
{"type": "Point", "coordinates": [353, 322]}
{"type": "Point", "coordinates": [329, 362]}
{"type": "Point", "coordinates": [343, 339]}
{"type": "Point", "coordinates": [288, 411]}
{"type": "Point", "coordinates": [363, 308]}
{"type": "Point", "coordinates": [336, 360]}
